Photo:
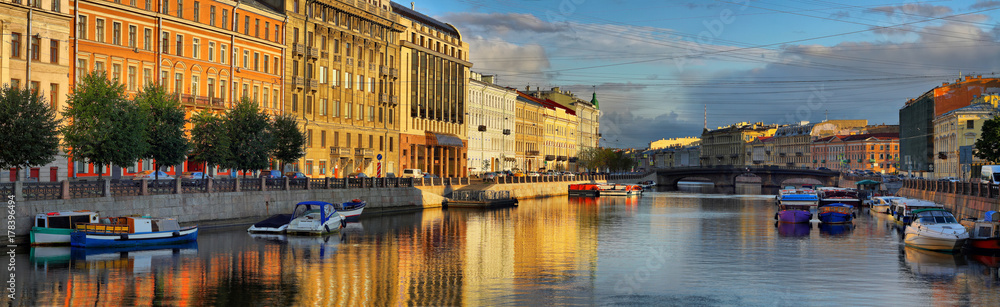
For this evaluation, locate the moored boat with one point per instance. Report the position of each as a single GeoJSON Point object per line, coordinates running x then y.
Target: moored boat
{"type": "Point", "coordinates": [984, 235]}
{"type": "Point", "coordinates": [351, 209]}
{"type": "Point", "coordinates": [619, 190]}
{"type": "Point", "coordinates": [880, 204]}
{"type": "Point", "coordinates": [275, 224]}
{"type": "Point", "coordinates": [795, 208]}
{"type": "Point", "coordinates": [54, 228]}
{"type": "Point", "coordinates": [935, 229]}
{"type": "Point", "coordinates": [836, 213]}
{"type": "Point", "coordinates": [902, 209]}
{"type": "Point", "coordinates": [648, 184]}
{"type": "Point", "coordinates": [584, 189]}
{"type": "Point", "coordinates": [132, 231]}
{"type": "Point", "coordinates": [832, 195]}
{"type": "Point", "coordinates": [315, 218]}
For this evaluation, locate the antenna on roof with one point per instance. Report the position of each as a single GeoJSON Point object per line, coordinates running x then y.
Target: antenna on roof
{"type": "Point", "coordinates": [706, 117]}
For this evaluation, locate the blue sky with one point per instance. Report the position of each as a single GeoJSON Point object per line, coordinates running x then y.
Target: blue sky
{"type": "Point", "coordinates": [656, 65]}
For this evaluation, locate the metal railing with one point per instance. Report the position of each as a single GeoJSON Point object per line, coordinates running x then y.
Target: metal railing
{"type": "Point", "coordinates": [250, 184]}
{"type": "Point", "coordinates": [85, 189]}
{"type": "Point", "coordinates": [159, 187]}
{"type": "Point", "coordinates": [297, 183]}
{"type": "Point", "coordinates": [985, 190]}
{"type": "Point", "coordinates": [274, 184]}
{"type": "Point", "coordinates": [42, 190]}
{"type": "Point", "coordinates": [126, 187]}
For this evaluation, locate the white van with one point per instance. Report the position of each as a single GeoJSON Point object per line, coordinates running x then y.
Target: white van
{"type": "Point", "coordinates": [990, 174]}
{"type": "Point", "coordinates": [412, 173]}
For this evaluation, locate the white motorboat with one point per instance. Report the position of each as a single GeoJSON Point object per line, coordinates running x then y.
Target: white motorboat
{"type": "Point", "coordinates": [935, 229]}
{"type": "Point", "coordinates": [315, 218]}
{"type": "Point", "coordinates": [880, 204]}
{"type": "Point", "coordinates": [275, 224]}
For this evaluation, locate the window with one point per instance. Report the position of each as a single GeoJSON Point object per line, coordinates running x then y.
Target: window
{"type": "Point", "coordinates": [225, 19]}
{"type": "Point", "coordinates": [350, 112]}
{"type": "Point", "coordinates": [81, 69]}
{"type": "Point", "coordinates": [222, 54]}
{"type": "Point", "coordinates": [322, 163]}
{"type": "Point", "coordinates": [147, 38]}
{"type": "Point", "coordinates": [347, 80]}
{"type": "Point", "coordinates": [267, 59]}
{"type": "Point", "coordinates": [180, 45]}
{"type": "Point", "coordinates": [333, 77]}
{"type": "Point", "coordinates": [131, 35]}
{"type": "Point", "coordinates": [149, 4]}
{"type": "Point", "coordinates": [195, 45]}
{"type": "Point", "coordinates": [165, 9]}
{"type": "Point", "coordinates": [100, 30]}
{"type": "Point", "coordinates": [309, 105]}
{"type": "Point", "coordinates": [361, 83]}
{"type": "Point", "coordinates": [195, 80]}
{"type": "Point", "coordinates": [267, 30]}
{"type": "Point", "coordinates": [256, 61]}
{"type": "Point", "coordinates": [322, 107]}
{"type": "Point", "coordinates": [222, 90]}
{"type": "Point", "coordinates": [178, 83]}
{"type": "Point", "coordinates": [256, 27]}
{"type": "Point", "coordinates": [211, 15]}
{"type": "Point", "coordinates": [309, 163]}
{"type": "Point", "coordinates": [309, 140]}
{"type": "Point", "coordinates": [371, 85]}
{"type": "Point", "coordinates": [970, 124]}
{"type": "Point", "coordinates": [116, 71]}
{"type": "Point", "coordinates": [295, 102]}
{"type": "Point", "coordinates": [98, 66]}
{"type": "Point", "coordinates": [165, 42]}
{"type": "Point", "coordinates": [211, 51]}
{"type": "Point", "coordinates": [246, 91]}
{"type": "Point", "coordinates": [180, 8]}
{"type": "Point", "coordinates": [54, 51]}
{"type": "Point", "coordinates": [81, 27]}
{"type": "Point", "coordinates": [246, 58]}
{"type": "Point", "coordinates": [277, 29]}
{"type": "Point", "coordinates": [36, 46]}
{"type": "Point", "coordinates": [211, 88]}
{"type": "Point", "coordinates": [57, 5]}
{"type": "Point", "coordinates": [15, 45]}
{"type": "Point", "coordinates": [274, 98]}
{"type": "Point", "coordinates": [131, 78]}
{"type": "Point", "coordinates": [371, 113]}
{"type": "Point", "coordinates": [246, 25]}
{"type": "Point", "coordinates": [197, 10]}
{"type": "Point", "coordinates": [322, 74]}
{"type": "Point", "coordinates": [256, 94]}
{"type": "Point", "coordinates": [361, 112]}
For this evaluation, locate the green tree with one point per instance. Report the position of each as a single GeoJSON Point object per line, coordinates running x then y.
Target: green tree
{"type": "Point", "coordinates": [105, 128]}
{"type": "Point", "coordinates": [289, 141]}
{"type": "Point", "coordinates": [988, 144]}
{"type": "Point", "coordinates": [165, 127]}
{"type": "Point", "coordinates": [210, 140]}
{"type": "Point", "coordinates": [29, 129]}
{"type": "Point", "coordinates": [251, 141]}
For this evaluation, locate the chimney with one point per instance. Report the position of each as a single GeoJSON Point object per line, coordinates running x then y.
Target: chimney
{"type": "Point", "coordinates": [527, 88]}
{"type": "Point", "coordinates": [556, 89]}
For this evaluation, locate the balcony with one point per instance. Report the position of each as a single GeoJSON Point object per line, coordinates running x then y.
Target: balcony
{"type": "Point", "coordinates": [350, 61]}
{"type": "Point", "coordinates": [367, 153]}
{"type": "Point", "coordinates": [299, 81]}
{"type": "Point", "coordinates": [393, 100]}
{"type": "Point", "coordinates": [550, 157]}
{"type": "Point", "coordinates": [313, 83]}
{"type": "Point", "coordinates": [562, 158]}
{"type": "Point", "coordinates": [531, 153]}
{"type": "Point", "coordinates": [342, 152]}
{"type": "Point", "coordinates": [383, 98]}
{"type": "Point", "coordinates": [313, 52]}
{"type": "Point", "coordinates": [324, 54]}
{"type": "Point", "coordinates": [393, 73]}
{"type": "Point", "coordinates": [298, 49]}
{"type": "Point", "coordinates": [383, 70]}
{"type": "Point", "coordinates": [217, 102]}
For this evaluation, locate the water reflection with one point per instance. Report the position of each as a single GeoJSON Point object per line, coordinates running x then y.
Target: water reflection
{"type": "Point", "coordinates": [794, 229]}
{"type": "Point", "coordinates": [932, 265]}
{"type": "Point", "coordinates": [835, 230]}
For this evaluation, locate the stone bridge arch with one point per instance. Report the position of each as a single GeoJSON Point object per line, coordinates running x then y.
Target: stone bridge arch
{"type": "Point", "coordinates": [726, 176]}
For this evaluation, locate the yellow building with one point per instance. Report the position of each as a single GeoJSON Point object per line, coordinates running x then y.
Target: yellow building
{"type": "Point", "coordinates": [342, 81]}
{"type": "Point", "coordinates": [730, 145]}
{"type": "Point", "coordinates": [674, 142]}
{"type": "Point", "coordinates": [587, 115]}
{"type": "Point", "coordinates": [435, 75]}
{"type": "Point", "coordinates": [528, 132]}
{"type": "Point", "coordinates": [956, 129]}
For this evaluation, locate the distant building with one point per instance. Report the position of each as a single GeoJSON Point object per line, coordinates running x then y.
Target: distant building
{"type": "Point", "coordinates": [528, 133]}
{"type": "Point", "coordinates": [730, 145]}
{"type": "Point", "coordinates": [588, 114]}
{"type": "Point", "coordinates": [674, 142]}
{"type": "Point", "coordinates": [958, 129]}
{"type": "Point", "coordinates": [878, 152]}
{"type": "Point", "coordinates": [792, 143]}
{"type": "Point", "coordinates": [761, 149]}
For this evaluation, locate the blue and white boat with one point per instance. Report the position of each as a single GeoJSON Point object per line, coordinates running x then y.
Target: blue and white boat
{"type": "Point", "coordinates": [836, 213]}
{"type": "Point", "coordinates": [132, 231]}
{"type": "Point", "coordinates": [352, 209]}
{"type": "Point", "coordinates": [315, 218]}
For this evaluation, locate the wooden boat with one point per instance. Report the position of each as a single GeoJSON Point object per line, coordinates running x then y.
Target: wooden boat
{"type": "Point", "coordinates": [584, 189]}
{"type": "Point", "coordinates": [132, 231]}
{"type": "Point", "coordinates": [54, 228]}
{"type": "Point", "coordinates": [315, 218]}
{"type": "Point", "coordinates": [902, 209]}
{"type": "Point", "coordinates": [935, 229]}
{"type": "Point", "coordinates": [351, 209]}
{"type": "Point", "coordinates": [984, 235]}
{"type": "Point", "coordinates": [796, 208]}
{"type": "Point", "coordinates": [836, 213]}
{"type": "Point", "coordinates": [832, 195]}
{"type": "Point", "coordinates": [880, 204]}
{"type": "Point", "coordinates": [619, 189]}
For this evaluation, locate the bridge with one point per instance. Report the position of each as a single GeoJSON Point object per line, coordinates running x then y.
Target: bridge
{"type": "Point", "coordinates": [726, 175]}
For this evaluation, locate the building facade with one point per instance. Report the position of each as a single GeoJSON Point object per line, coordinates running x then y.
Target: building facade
{"type": "Point", "coordinates": [35, 53]}
{"type": "Point", "coordinates": [828, 152]}
{"type": "Point", "coordinates": [761, 151]}
{"type": "Point", "coordinates": [491, 126]}
{"type": "Point", "coordinates": [342, 68]}
{"type": "Point", "coordinates": [587, 119]}
{"type": "Point", "coordinates": [528, 132]}
{"type": "Point", "coordinates": [730, 145]}
{"type": "Point", "coordinates": [433, 85]}
{"type": "Point", "coordinates": [877, 152]}
{"type": "Point", "coordinates": [955, 135]}
{"type": "Point", "coordinates": [674, 142]}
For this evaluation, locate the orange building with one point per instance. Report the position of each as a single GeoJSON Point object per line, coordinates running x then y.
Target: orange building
{"type": "Point", "coordinates": [209, 53]}
{"type": "Point", "coordinates": [877, 152]}
{"type": "Point", "coordinates": [951, 96]}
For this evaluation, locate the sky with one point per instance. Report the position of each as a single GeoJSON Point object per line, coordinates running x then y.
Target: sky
{"type": "Point", "coordinates": [656, 66]}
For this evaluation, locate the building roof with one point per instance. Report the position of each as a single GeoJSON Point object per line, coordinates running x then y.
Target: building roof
{"type": "Point", "coordinates": [594, 102]}
{"type": "Point", "coordinates": [547, 103]}
{"type": "Point", "coordinates": [975, 108]}
{"type": "Point", "coordinates": [424, 19]}
{"type": "Point", "coordinates": [879, 136]}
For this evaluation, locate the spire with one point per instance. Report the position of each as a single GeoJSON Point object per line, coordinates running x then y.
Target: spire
{"type": "Point", "coordinates": [593, 101]}
{"type": "Point", "coordinates": [706, 117]}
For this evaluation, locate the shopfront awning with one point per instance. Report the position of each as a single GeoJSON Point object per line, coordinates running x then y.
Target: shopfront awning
{"type": "Point", "coordinates": [445, 139]}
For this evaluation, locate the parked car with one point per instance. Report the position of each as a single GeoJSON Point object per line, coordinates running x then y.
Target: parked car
{"type": "Point", "coordinates": [150, 175]}
{"type": "Point", "coordinates": [534, 174]}
{"type": "Point", "coordinates": [412, 173]}
{"type": "Point", "coordinates": [295, 175]}
{"type": "Point", "coordinates": [822, 168]}
{"type": "Point", "coordinates": [569, 174]}
{"type": "Point", "coordinates": [489, 176]}
{"type": "Point", "coordinates": [390, 175]}
{"type": "Point", "coordinates": [357, 175]}
{"type": "Point", "coordinates": [272, 174]}
{"type": "Point", "coordinates": [429, 175]}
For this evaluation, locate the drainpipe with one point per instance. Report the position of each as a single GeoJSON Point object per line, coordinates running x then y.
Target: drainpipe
{"type": "Point", "coordinates": [27, 74]}
{"type": "Point", "coordinates": [233, 57]}
{"type": "Point", "coordinates": [284, 31]}
{"type": "Point", "coordinates": [76, 41]}
{"type": "Point", "coordinates": [159, 43]}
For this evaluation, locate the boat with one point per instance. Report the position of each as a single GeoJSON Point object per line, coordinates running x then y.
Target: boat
{"type": "Point", "coordinates": [351, 209]}
{"type": "Point", "coordinates": [315, 218]}
{"type": "Point", "coordinates": [54, 228]}
{"type": "Point", "coordinates": [984, 235]}
{"type": "Point", "coordinates": [880, 204]}
{"type": "Point", "coordinates": [833, 195]}
{"type": "Point", "coordinates": [795, 208]}
{"type": "Point", "coordinates": [935, 229]}
{"type": "Point", "coordinates": [901, 209]}
{"type": "Point", "coordinates": [275, 224]}
{"type": "Point", "coordinates": [584, 189]}
{"type": "Point", "coordinates": [648, 184]}
{"type": "Point", "coordinates": [132, 231]}
{"type": "Point", "coordinates": [619, 189]}
{"type": "Point", "coordinates": [836, 213]}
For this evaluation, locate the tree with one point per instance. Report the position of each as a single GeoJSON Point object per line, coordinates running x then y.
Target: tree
{"type": "Point", "coordinates": [104, 127]}
{"type": "Point", "coordinates": [251, 141]}
{"type": "Point", "coordinates": [210, 141]}
{"type": "Point", "coordinates": [165, 128]}
{"type": "Point", "coordinates": [988, 144]}
{"type": "Point", "coordinates": [289, 141]}
{"type": "Point", "coordinates": [29, 129]}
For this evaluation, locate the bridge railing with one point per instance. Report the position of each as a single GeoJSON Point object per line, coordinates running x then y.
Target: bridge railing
{"type": "Point", "coordinates": [978, 189]}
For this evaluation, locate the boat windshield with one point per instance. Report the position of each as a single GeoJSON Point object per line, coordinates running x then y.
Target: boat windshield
{"type": "Point", "coordinates": [937, 217]}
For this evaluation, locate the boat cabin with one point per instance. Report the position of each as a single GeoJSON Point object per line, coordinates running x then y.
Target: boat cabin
{"type": "Point", "coordinates": [932, 216]}
{"type": "Point", "coordinates": [132, 224]}
{"type": "Point", "coordinates": [65, 219]}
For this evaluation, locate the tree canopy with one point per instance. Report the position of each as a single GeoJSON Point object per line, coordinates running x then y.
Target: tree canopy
{"type": "Point", "coordinates": [168, 144]}
{"type": "Point", "coordinates": [251, 139]}
{"type": "Point", "coordinates": [29, 129]}
{"type": "Point", "coordinates": [210, 141]}
{"type": "Point", "coordinates": [289, 141]}
{"type": "Point", "coordinates": [988, 144]}
{"type": "Point", "coordinates": [104, 127]}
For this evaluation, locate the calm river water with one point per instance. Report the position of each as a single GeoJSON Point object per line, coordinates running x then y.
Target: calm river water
{"type": "Point", "coordinates": [692, 247]}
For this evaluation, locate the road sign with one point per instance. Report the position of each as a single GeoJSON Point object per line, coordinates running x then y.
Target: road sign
{"type": "Point", "coordinates": [379, 157]}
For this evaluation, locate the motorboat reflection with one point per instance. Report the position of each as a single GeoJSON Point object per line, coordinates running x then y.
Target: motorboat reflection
{"type": "Point", "coordinates": [932, 265]}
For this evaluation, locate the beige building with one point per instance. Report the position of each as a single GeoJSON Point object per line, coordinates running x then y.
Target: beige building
{"type": "Point", "coordinates": [433, 86]}
{"type": "Point", "coordinates": [957, 129]}
{"type": "Point", "coordinates": [342, 78]}
{"type": "Point", "coordinates": [34, 52]}
{"type": "Point", "coordinates": [761, 151]}
{"type": "Point", "coordinates": [792, 142]}
{"type": "Point", "coordinates": [528, 132]}
{"type": "Point", "coordinates": [674, 142]}
{"type": "Point", "coordinates": [587, 115]}
{"type": "Point", "coordinates": [730, 145]}
{"type": "Point", "coordinates": [491, 125]}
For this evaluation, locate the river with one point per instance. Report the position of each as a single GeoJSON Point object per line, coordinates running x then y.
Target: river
{"type": "Point", "coordinates": [690, 247]}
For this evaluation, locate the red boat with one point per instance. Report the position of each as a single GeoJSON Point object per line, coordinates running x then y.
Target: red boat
{"type": "Point", "coordinates": [584, 189]}
{"type": "Point", "coordinates": [984, 235]}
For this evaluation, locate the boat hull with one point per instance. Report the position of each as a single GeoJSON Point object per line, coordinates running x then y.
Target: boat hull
{"type": "Point", "coordinates": [884, 209]}
{"type": "Point", "coordinates": [351, 214]}
{"type": "Point", "coordinates": [794, 216]}
{"type": "Point", "coordinates": [984, 245]}
{"type": "Point", "coordinates": [50, 236]}
{"type": "Point", "coordinates": [835, 218]}
{"type": "Point", "coordinates": [932, 242]}
{"type": "Point", "coordinates": [583, 193]}
{"type": "Point", "coordinates": [274, 224]}
{"type": "Point", "coordinates": [98, 239]}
